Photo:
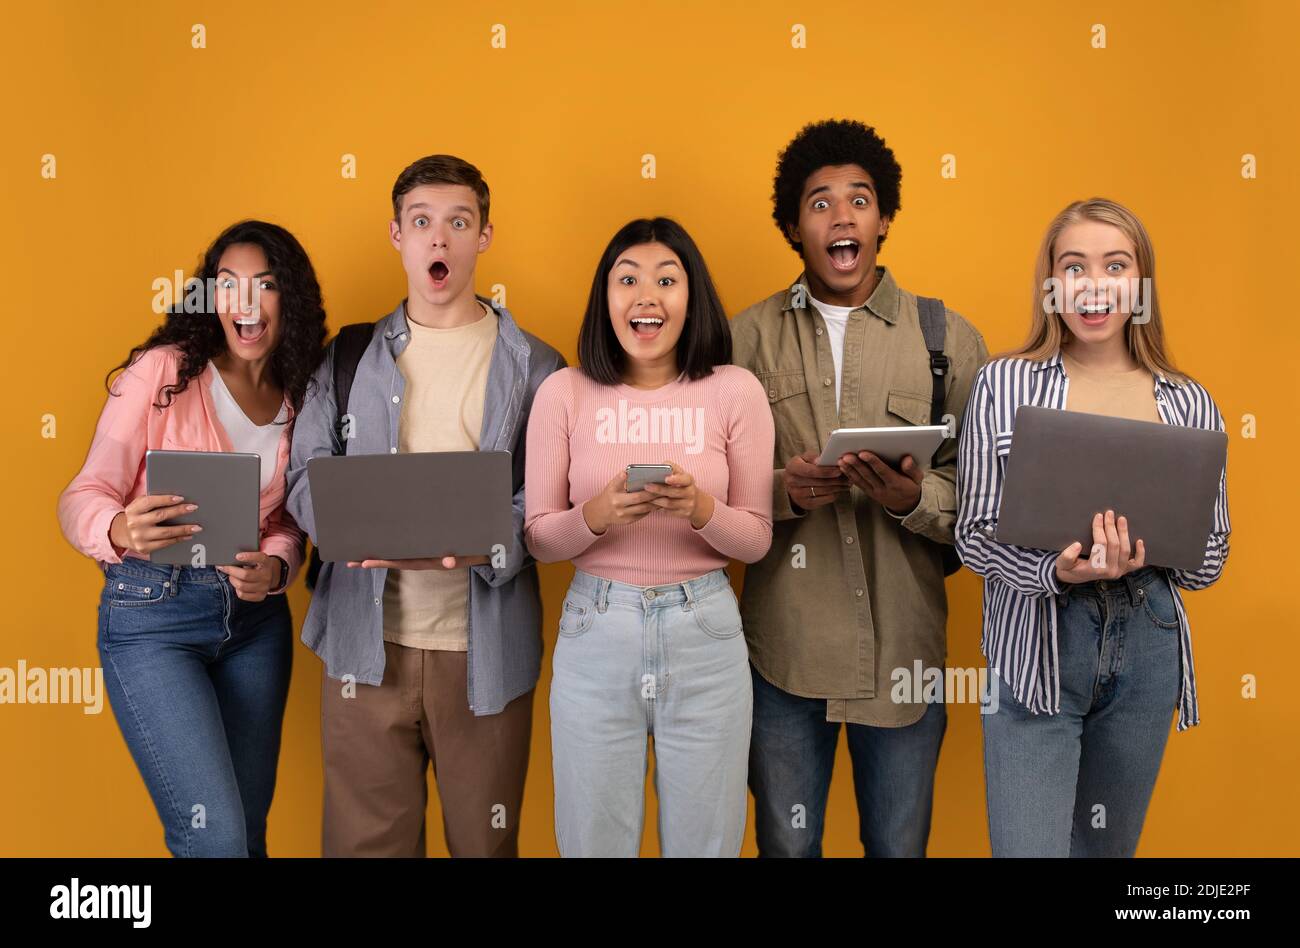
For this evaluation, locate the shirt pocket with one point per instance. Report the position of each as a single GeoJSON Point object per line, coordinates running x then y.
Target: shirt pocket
{"type": "Point", "coordinates": [912, 408]}
{"type": "Point", "coordinates": [787, 396]}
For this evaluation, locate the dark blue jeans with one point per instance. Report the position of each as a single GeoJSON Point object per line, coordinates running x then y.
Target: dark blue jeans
{"type": "Point", "coordinates": [792, 754]}
{"type": "Point", "coordinates": [198, 679]}
{"type": "Point", "coordinates": [1077, 783]}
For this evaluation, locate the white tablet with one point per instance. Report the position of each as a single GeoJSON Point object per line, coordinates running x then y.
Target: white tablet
{"type": "Point", "coordinates": [888, 444]}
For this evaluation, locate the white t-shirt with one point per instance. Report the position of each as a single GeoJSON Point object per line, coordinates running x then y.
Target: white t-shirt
{"type": "Point", "coordinates": [836, 319]}
{"type": "Point", "coordinates": [246, 437]}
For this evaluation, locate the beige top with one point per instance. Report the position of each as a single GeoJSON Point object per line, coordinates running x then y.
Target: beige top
{"type": "Point", "coordinates": [1118, 394]}
{"type": "Point", "coordinates": [442, 410]}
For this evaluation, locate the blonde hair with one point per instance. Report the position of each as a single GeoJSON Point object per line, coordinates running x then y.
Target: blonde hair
{"type": "Point", "coordinates": [1047, 330]}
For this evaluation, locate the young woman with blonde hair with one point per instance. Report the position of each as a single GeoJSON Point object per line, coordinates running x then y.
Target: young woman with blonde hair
{"type": "Point", "coordinates": [1090, 660]}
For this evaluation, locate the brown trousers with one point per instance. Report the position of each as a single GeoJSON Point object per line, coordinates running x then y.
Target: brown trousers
{"type": "Point", "coordinates": [377, 747]}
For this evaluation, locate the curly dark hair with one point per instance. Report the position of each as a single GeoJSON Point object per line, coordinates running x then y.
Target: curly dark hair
{"type": "Point", "coordinates": [199, 335]}
{"type": "Point", "coordinates": [833, 142]}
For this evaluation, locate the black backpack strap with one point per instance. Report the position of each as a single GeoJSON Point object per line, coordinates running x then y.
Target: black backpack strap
{"type": "Point", "coordinates": [934, 326]}
{"type": "Point", "coordinates": [349, 346]}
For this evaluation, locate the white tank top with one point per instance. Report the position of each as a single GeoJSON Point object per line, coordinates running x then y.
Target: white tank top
{"type": "Point", "coordinates": [246, 437]}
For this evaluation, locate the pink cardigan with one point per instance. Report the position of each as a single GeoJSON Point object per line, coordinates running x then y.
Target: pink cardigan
{"type": "Point", "coordinates": [113, 474]}
{"type": "Point", "coordinates": [580, 434]}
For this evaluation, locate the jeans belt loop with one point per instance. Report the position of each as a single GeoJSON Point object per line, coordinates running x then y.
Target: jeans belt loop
{"type": "Point", "coordinates": [602, 596]}
{"type": "Point", "coordinates": [689, 604]}
{"type": "Point", "coordinates": [173, 584]}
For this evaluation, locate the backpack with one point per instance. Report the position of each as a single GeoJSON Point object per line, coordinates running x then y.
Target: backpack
{"type": "Point", "coordinates": [933, 327]}
{"type": "Point", "coordinates": [349, 345]}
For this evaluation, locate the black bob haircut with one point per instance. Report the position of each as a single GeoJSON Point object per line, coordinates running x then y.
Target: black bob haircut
{"type": "Point", "coordinates": [833, 142]}
{"type": "Point", "coordinates": [705, 341]}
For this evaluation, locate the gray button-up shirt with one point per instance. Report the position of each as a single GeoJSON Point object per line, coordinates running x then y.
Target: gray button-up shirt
{"type": "Point", "coordinates": [345, 623]}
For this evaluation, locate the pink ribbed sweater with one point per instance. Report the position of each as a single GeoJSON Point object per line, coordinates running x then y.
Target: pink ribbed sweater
{"type": "Point", "coordinates": [581, 434]}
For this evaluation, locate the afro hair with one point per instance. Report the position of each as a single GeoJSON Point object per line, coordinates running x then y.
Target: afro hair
{"type": "Point", "coordinates": [833, 142]}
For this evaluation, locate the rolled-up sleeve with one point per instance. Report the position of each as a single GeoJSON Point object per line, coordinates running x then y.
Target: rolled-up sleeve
{"type": "Point", "coordinates": [99, 492]}
{"type": "Point", "coordinates": [1216, 546]}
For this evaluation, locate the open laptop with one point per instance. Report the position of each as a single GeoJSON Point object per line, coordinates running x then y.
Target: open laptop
{"type": "Point", "coordinates": [408, 506]}
{"type": "Point", "coordinates": [1066, 466]}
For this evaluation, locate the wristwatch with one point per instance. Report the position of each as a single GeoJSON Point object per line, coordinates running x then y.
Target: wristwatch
{"type": "Point", "coordinates": [284, 575]}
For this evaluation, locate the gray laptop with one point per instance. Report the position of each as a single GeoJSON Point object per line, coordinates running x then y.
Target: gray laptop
{"type": "Point", "coordinates": [1065, 466]}
{"type": "Point", "coordinates": [226, 486]}
{"type": "Point", "coordinates": [404, 506]}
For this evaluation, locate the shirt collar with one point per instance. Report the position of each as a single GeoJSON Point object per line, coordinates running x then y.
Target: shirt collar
{"type": "Point", "coordinates": [1055, 361]}
{"type": "Point", "coordinates": [882, 302]}
{"type": "Point", "coordinates": [508, 330]}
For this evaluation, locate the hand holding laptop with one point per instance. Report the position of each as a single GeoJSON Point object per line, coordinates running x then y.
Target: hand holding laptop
{"type": "Point", "coordinates": [446, 562]}
{"type": "Point", "coordinates": [1110, 555]}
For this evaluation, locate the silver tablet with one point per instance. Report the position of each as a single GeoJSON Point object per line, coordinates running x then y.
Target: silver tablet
{"type": "Point", "coordinates": [891, 444]}
{"type": "Point", "coordinates": [1067, 466]}
{"type": "Point", "coordinates": [226, 486]}
{"type": "Point", "coordinates": [406, 506]}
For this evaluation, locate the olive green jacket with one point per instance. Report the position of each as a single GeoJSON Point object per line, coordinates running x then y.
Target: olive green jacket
{"type": "Point", "coordinates": [849, 593]}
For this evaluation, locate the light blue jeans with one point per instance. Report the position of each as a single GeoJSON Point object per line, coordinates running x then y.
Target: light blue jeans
{"type": "Point", "coordinates": [663, 661]}
{"type": "Point", "coordinates": [1077, 783]}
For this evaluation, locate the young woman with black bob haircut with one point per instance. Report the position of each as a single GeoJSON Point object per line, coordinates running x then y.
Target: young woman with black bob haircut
{"type": "Point", "coordinates": [650, 639]}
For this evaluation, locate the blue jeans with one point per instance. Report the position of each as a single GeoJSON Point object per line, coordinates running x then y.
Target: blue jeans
{"type": "Point", "coordinates": [1078, 783]}
{"type": "Point", "coordinates": [664, 661]}
{"type": "Point", "coordinates": [791, 758]}
{"type": "Point", "coordinates": [198, 680]}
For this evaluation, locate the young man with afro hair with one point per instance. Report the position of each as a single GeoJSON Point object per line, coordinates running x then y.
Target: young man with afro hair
{"type": "Point", "coordinates": [850, 600]}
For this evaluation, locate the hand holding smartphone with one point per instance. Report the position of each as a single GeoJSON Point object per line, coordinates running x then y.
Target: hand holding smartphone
{"type": "Point", "coordinates": [639, 475]}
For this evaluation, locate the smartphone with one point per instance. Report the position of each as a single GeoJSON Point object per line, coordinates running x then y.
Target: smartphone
{"type": "Point", "coordinates": [639, 475]}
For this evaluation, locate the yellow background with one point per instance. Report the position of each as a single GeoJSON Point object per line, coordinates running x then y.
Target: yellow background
{"type": "Point", "coordinates": [159, 146]}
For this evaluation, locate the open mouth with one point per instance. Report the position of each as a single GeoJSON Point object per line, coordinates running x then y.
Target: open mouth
{"type": "Point", "coordinates": [438, 273]}
{"type": "Point", "coordinates": [647, 327]}
{"type": "Point", "coordinates": [249, 329]}
{"type": "Point", "coordinates": [1093, 314]}
{"type": "Point", "coordinates": [843, 254]}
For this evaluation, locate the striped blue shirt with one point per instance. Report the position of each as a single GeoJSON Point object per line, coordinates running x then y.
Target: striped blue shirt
{"type": "Point", "coordinates": [1020, 584]}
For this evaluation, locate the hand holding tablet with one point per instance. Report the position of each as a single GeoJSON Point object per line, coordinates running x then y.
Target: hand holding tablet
{"type": "Point", "coordinates": [890, 444]}
{"type": "Point", "coordinates": [221, 496]}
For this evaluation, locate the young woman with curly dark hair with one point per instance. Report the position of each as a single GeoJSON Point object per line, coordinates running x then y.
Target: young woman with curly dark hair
{"type": "Point", "coordinates": [197, 658]}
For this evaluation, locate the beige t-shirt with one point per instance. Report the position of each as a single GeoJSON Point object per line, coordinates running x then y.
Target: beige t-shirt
{"type": "Point", "coordinates": [1118, 394]}
{"type": "Point", "coordinates": [442, 410]}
